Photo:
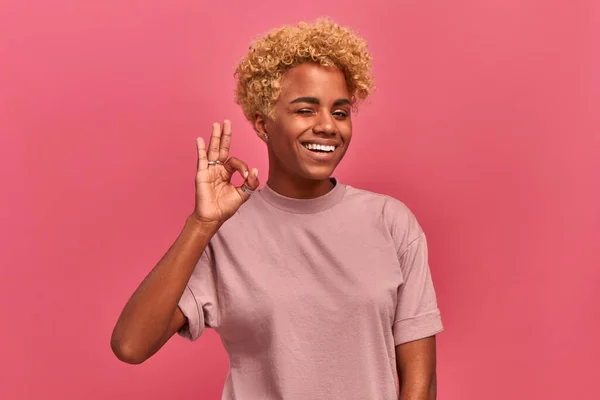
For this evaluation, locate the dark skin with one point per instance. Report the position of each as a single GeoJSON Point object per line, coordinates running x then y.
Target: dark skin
{"type": "Point", "coordinates": [314, 104]}
{"type": "Point", "coordinates": [151, 316]}
{"type": "Point", "coordinates": [416, 364]}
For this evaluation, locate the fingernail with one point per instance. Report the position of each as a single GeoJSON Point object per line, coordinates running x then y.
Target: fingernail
{"type": "Point", "coordinates": [246, 174]}
{"type": "Point", "coordinates": [256, 172]}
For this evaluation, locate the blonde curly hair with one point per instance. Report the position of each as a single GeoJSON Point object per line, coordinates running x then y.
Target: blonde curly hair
{"type": "Point", "coordinates": [324, 42]}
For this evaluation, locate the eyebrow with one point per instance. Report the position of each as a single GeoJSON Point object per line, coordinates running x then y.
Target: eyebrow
{"type": "Point", "coordinates": [314, 100]}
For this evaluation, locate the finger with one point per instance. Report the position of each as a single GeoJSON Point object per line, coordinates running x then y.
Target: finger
{"type": "Point", "coordinates": [252, 181]}
{"type": "Point", "coordinates": [202, 163]}
{"type": "Point", "coordinates": [225, 141]}
{"type": "Point", "coordinates": [250, 184]}
{"type": "Point", "coordinates": [235, 164]}
{"type": "Point", "coordinates": [215, 142]}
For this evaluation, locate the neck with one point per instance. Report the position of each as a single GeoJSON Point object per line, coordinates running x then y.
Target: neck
{"type": "Point", "coordinates": [299, 188]}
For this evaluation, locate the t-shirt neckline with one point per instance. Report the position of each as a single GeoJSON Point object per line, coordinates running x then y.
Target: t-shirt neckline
{"type": "Point", "coordinates": [304, 206]}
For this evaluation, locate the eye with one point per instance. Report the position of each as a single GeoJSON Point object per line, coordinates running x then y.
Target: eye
{"type": "Point", "coordinates": [340, 114]}
{"type": "Point", "coordinates": [305, 111]}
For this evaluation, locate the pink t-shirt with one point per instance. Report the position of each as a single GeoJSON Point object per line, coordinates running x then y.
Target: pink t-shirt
{"type": "Point", "coordinates": [310, 297]}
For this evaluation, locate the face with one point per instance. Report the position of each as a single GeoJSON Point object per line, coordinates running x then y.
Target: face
{"type": "Point", "coordinates": [312, 127]}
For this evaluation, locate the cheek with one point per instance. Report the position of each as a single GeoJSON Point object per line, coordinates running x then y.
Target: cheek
{"type": "Point", "coordinates": [287, 130]}
{"type": "Point", "coordinates": [346, 132]}
{"type": "Point", "coordinates": [282, 137]}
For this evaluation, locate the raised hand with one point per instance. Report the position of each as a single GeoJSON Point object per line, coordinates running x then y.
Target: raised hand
{"type": "Point", "coordinates": [217, 199]}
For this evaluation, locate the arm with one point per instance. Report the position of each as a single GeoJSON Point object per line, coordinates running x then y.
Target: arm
{"type": "Point", "coordinates": [151, 316]}
{"type": "Point", "coordinates": [416, 364]}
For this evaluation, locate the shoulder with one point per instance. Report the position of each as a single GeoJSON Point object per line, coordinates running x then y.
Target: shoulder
{"type": "Point", "coordinates": [395, 215]}
{"type": "Point", "coordinates": [391, 208]}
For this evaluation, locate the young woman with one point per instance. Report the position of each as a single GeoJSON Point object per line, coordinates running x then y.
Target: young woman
{"type": "Point", "coordinates": [319, 290]}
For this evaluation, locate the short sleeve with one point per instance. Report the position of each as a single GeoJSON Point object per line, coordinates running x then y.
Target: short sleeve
{"type": "Point", "coordinates": [417, 313]}
{"type": "Point", "coordinates": [199, 300]}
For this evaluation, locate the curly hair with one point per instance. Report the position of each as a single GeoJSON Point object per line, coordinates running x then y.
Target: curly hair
{"type": "Point", "coordinates": [324, 42]}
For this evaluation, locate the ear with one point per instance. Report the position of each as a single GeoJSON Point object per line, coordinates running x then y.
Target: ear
{"type": "Point", "coordinates": [260, 125]}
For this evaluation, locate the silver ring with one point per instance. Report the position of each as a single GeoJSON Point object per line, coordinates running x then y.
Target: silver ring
{"type": "Point", "coordinates": [247, 190]}
{"type": "Point", "coordinates": [214, 162]}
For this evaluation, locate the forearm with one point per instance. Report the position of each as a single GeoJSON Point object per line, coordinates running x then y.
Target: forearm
{"type": "Point", "coordinates": [148, 313]}
{"type": "Point", "coordinates": [426, 390]}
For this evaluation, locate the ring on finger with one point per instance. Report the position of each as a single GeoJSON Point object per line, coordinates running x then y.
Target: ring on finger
{"type": "Point", "coordinates": [247, 190]}
{"type": "Point", "coordinates": [215, 162]}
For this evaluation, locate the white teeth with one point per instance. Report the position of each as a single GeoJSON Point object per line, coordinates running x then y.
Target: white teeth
{"type": "Point", "coordinates": [312, 146]}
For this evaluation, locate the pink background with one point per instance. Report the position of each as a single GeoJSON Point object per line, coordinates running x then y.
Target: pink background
{"type": "Point", "coordinates": [485, 123]}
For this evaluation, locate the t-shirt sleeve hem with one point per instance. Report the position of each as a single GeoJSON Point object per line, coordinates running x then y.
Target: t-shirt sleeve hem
{"type": "Point", "coordinates": [193, 312]}
{"type": "Point", "coordinates": [418, 327]}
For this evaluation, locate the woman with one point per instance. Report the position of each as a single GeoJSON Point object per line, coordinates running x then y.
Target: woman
{"type": "Point", "coordinates": [318, 290]}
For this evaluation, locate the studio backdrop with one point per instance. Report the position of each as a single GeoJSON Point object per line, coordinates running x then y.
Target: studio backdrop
{"type": "Point", "coordinates": [485, 122]}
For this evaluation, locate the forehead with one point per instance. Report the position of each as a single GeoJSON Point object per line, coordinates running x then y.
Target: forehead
{"type": "Point", "coordinates": [314, 80]}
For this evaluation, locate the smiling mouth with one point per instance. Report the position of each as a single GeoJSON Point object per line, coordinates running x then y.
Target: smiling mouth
{"type": "Point", "coordinates": [319, 148]}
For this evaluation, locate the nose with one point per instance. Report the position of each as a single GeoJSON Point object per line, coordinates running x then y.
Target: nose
{"type": "Point", "coordinates": [325, 125]}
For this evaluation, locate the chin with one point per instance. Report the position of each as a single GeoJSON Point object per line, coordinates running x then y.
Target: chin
{"type": "Point", "coordinates": [319, 174]}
